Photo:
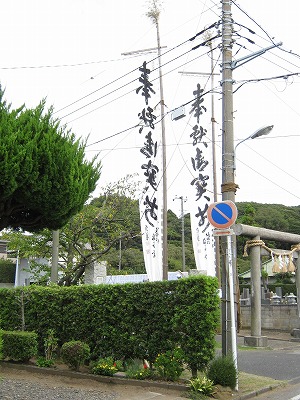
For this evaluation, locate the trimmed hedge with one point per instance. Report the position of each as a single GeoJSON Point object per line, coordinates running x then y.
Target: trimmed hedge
{"type": "Point", "coordinates": [19, 346]}
{"type": "Point", "coordinates": [138, 320]}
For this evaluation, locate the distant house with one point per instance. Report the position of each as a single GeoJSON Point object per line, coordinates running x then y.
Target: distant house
{"type": "Point", "coordinates": [266, 266]}
{"type": "Point", "coordinates": [3, 248]}
{"type": "Point", "coordinates": [22, 276]}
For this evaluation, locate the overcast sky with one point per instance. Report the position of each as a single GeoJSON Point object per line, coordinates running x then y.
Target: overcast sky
{"type": "Point", "coordinates": [72, 53]}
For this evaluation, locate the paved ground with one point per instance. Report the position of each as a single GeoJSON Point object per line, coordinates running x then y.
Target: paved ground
{"type": "Point", "coordinates": [276, 339]}
{"type": "Point", "coordinates": [25, 384]}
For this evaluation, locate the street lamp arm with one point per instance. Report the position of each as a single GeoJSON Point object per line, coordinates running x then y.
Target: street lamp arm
{"type": "Point", "coordinates": [265, 130]}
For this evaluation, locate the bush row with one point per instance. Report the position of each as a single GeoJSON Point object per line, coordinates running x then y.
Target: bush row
{"type": "Point", "coordinates": [122, 321]}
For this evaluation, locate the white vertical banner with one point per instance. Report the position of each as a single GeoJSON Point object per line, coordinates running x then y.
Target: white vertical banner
{"type": "Point", "coordinates": [203, 241]}
{"type": "Point", "coordinates": [151, 202]}
{"type": "Point", "coordinates": [151, 229]}
{"type": "Point", "coordinates": [201, 192]}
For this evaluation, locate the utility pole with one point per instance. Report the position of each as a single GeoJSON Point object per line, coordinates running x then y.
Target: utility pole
{"type": "Point", "coordinates": [153, 14]}
{"type": "Point", "coordinates": [213, 138]}
{"type": "Point", "coordinates": [228, 185]}
{"type": "Point", "coordinates": [120, 253]}
{"type": "Point", "coordinates": [182, 231]}
{"type": "Point", "coordinates": [54, 267]}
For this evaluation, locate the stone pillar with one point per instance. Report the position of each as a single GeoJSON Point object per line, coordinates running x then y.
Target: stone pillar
{"type": "Point", "coordinates": [297, 277]}
{"type": "Point", "coordinates": [255, 339]}
{"type": "Point", "coordinates": [95, 273]}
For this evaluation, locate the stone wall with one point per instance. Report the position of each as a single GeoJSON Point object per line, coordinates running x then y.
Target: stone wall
{"type": "Point", "coordinates": [280, 316]}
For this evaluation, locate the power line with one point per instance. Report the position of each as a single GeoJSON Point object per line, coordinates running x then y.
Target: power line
{"type": "Point", "coordinates": [136, 69]}
{"type": "Point", "coordinates": [133, 90]}
{"type": "Point", "coordinates": [62, 65]}
{"type": "Point", "coordinates": [266, 33]}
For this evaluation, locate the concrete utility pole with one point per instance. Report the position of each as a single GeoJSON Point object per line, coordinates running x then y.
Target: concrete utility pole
{"type": "Point", "coordinates": [213, 138]}
{"type": "Point", "coordinates": [228, 186]}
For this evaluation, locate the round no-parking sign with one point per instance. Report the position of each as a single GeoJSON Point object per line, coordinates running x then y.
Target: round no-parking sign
{"type": "Point", "coordinates": [222, 214]}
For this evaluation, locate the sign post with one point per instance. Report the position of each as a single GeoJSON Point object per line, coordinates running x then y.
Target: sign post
{"type": "Point", "coordinates": [222, 215]}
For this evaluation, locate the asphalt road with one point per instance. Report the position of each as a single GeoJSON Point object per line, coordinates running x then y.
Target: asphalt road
{"type": "Point", "coordinates": [276, 364]}
{"type": "Point", "coordinates": [280, 360]}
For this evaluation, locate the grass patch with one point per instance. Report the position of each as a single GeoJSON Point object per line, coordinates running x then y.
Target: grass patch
{"type": "Point", "coordinates": [247, 383]}
{"type": "Point", "coordinates": [243, 347]}
{"type": "Point", "coordinates": [250, 383]}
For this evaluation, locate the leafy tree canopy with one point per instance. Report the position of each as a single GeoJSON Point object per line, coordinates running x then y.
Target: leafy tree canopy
{"type": "Point", "coordinates": [89, 235]}
{"type": "Point", "coordinates": [44, 177]}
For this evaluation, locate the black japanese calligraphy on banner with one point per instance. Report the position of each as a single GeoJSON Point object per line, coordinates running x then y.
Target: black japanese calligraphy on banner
{"type": "Point", "coordinates": [201, 161]}
{"type": "Point", "coordinates": [151, 201]}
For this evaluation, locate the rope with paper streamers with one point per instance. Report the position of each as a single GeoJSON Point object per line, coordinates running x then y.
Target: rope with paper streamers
{"type": "Point", "coordinates": [283, 262]}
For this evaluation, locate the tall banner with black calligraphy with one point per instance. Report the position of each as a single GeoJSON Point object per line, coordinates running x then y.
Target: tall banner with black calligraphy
{"type": "Point", "coordinates": [151, 201]}
{"type": "Point", "coordinates": [202, 191]}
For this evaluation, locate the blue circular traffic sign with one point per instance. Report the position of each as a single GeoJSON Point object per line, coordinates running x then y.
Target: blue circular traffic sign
{"type": "Point", "coordinates": [222, 214]}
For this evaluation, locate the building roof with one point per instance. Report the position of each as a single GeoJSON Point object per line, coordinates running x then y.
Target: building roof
{"type": "Point", "coordinates": [267, 266]}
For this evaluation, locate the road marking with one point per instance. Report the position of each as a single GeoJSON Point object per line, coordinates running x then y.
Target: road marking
{"type": "Point", "coordinates": [296, 397]}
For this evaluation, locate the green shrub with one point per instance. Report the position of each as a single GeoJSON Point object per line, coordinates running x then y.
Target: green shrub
{"type": "Point", "coordinates": [222, 371]}
{"type": "Point", "coordinates": [130, 321]}
{"type": "Point", "coordinates": [75, 353]}
{"type": "Point", "coordinates": [196, 320]}
{"type": "Point", "coordinates": [169, 365]}
{"type": "Point", "coordinates": [1, 345]}
{"type": "Point", "coordinates": [19, 345]}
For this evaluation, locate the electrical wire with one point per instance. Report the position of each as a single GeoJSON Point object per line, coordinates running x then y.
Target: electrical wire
{"type": "Point", "coordinates": [132, 90]}
{"type": "Point", "coordinates": [269, 180]}
{"type": "Point", "coordinates": [265, 32]}
{"type": "Point", "coordinates": [136, 69]}
{"type": "Point", "coordinates": [264, 79]}
{"type": "Point", "coordinates": [63, 65]}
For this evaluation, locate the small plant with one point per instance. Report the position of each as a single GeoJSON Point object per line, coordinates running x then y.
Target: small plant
{"type": "Point", "coordinates": [106, 366]}
{"type": "Point", "coordinates": [75, 353]}
{"type": "Point", "coordinates": [169, 365]}
{"type": "Point", "coordinates": [203, 386]}
{"type": "Point", "coordinates": [43, 362]}
{"type": "Point", "coordinates": [50, 344]}
{"type": "Point", "coordinates": [222, 371]}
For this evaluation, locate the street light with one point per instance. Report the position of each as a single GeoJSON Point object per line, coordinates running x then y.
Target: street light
{"type": "Point", "coordinates": [265, 130]}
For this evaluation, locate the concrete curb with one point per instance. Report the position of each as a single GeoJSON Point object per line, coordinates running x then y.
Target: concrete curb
{"type": "Point", "coordinates": [255, 393]}
{"type": "Point", "coordinates": [116, 379]}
